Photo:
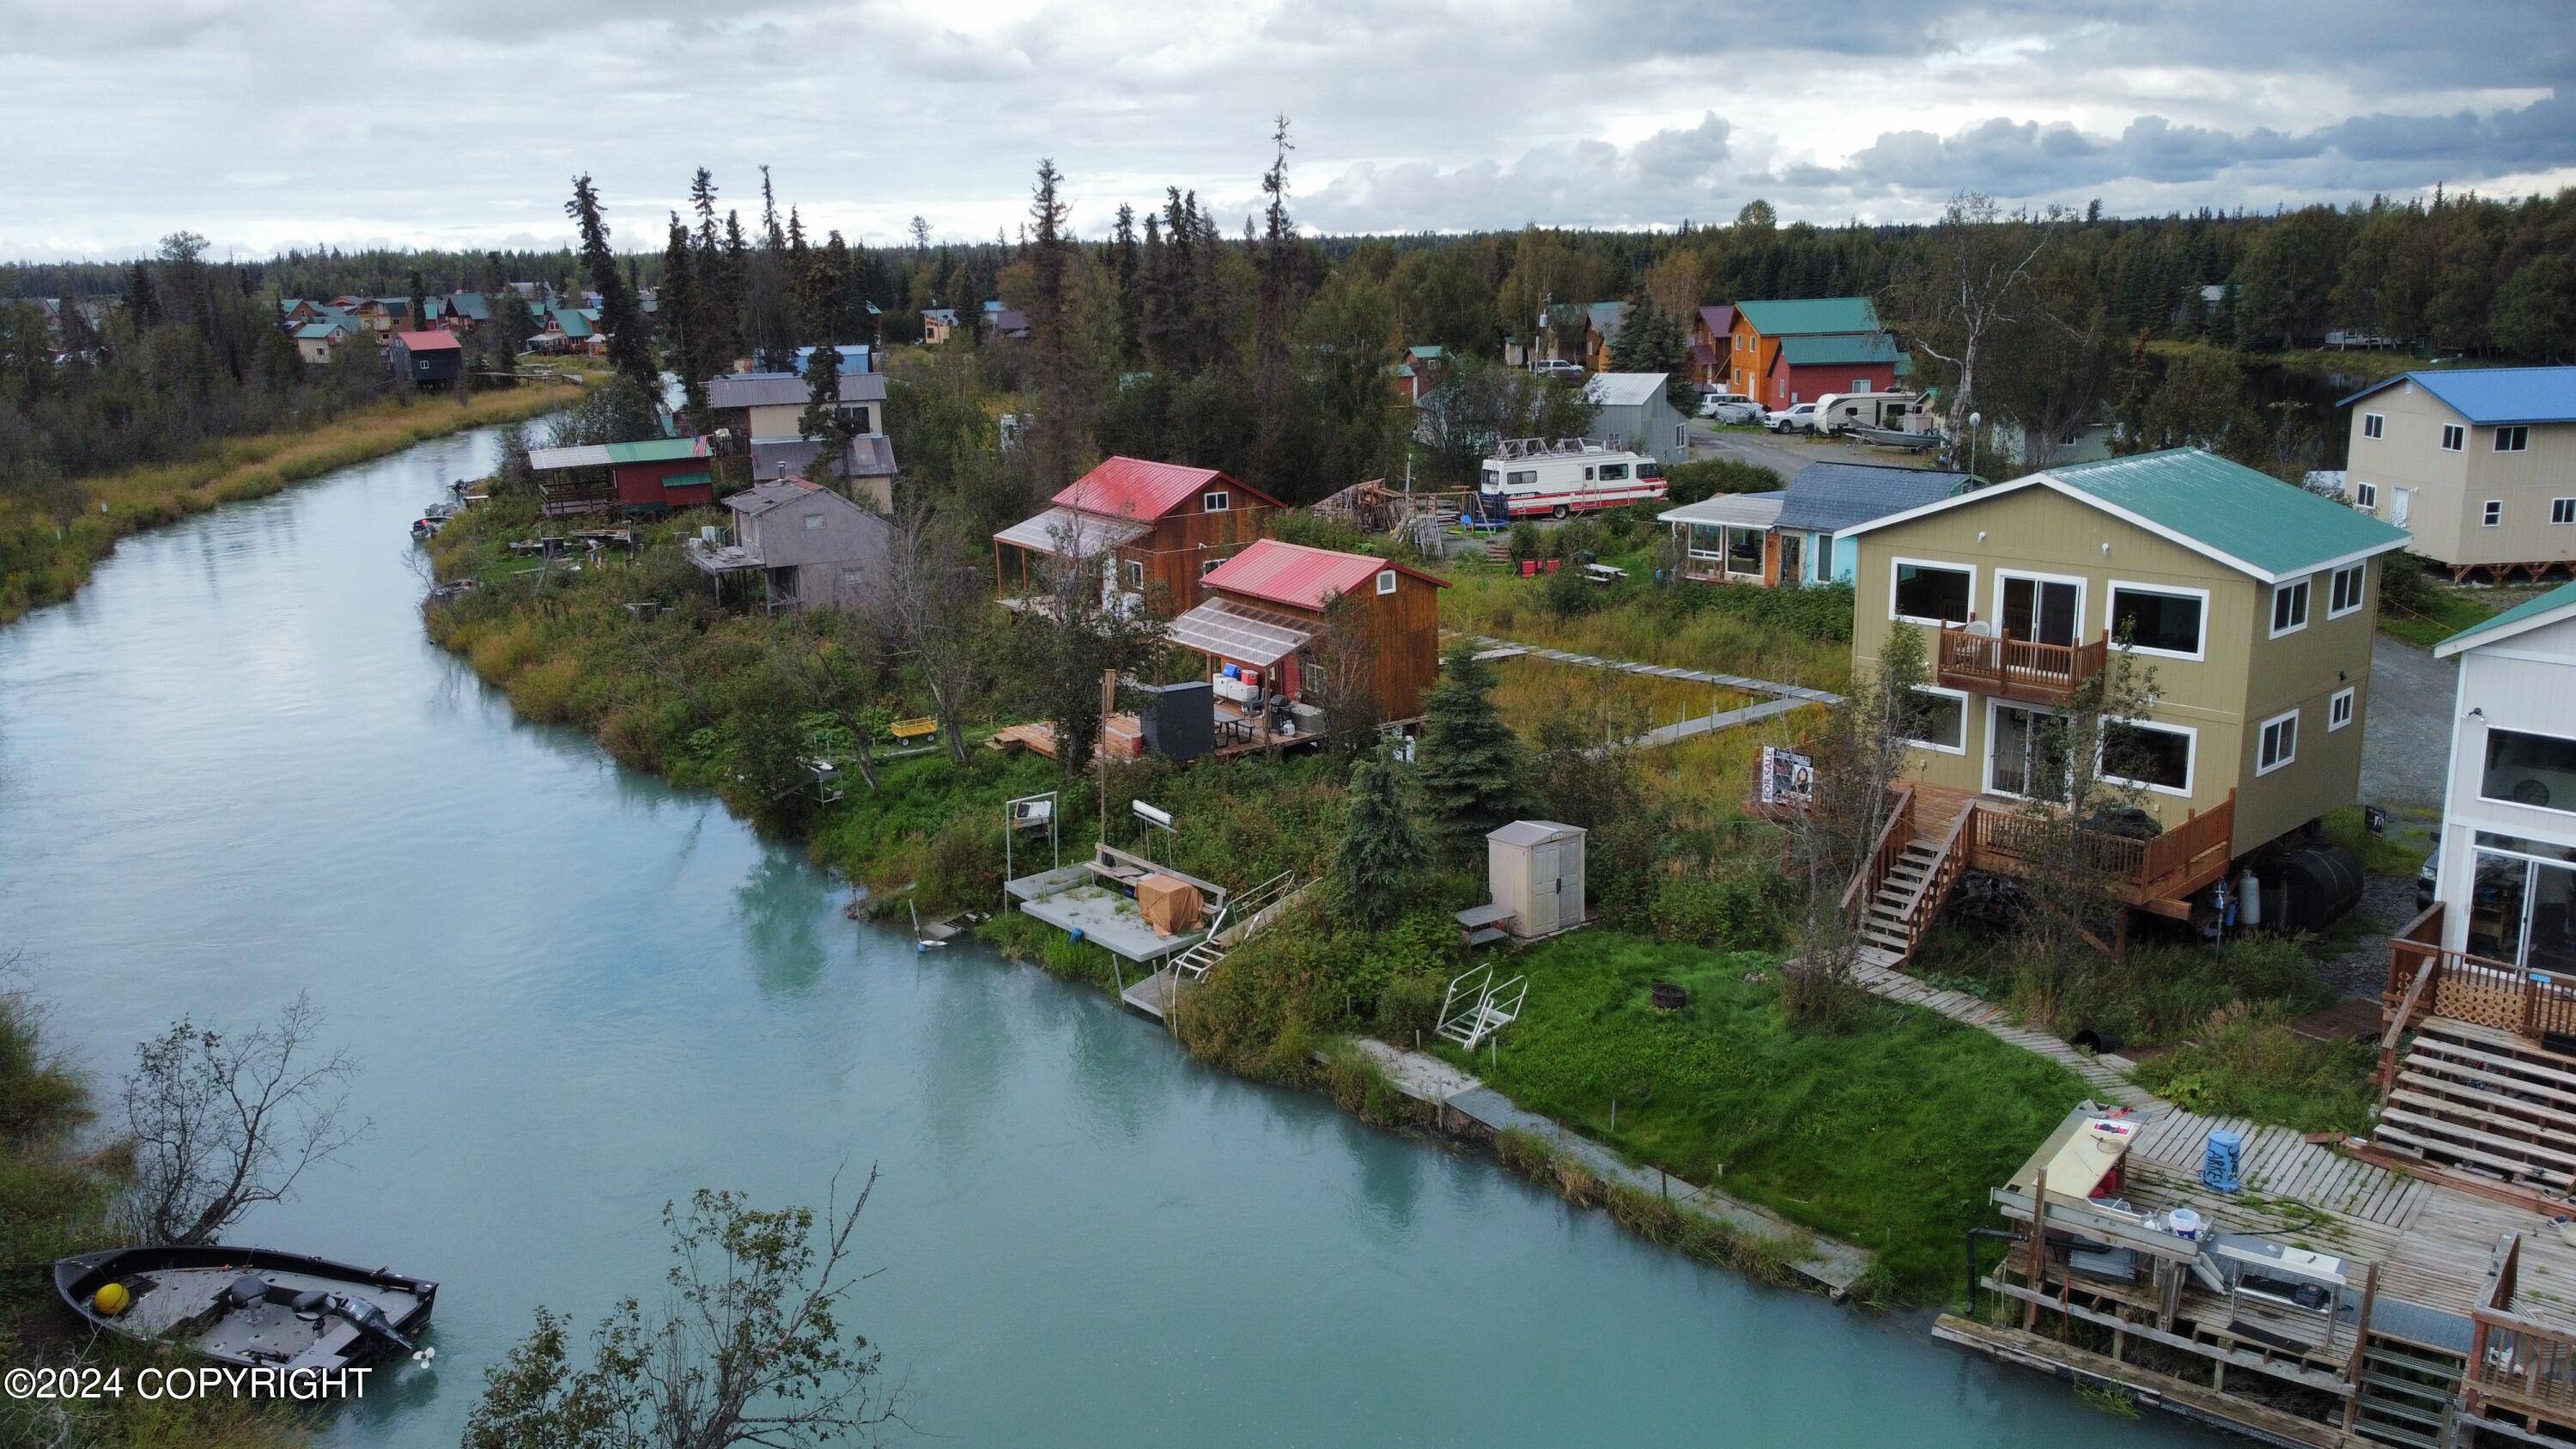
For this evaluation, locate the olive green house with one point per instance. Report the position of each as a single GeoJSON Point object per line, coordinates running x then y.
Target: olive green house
{"type": "Point", "coordinates": [2251, 601]}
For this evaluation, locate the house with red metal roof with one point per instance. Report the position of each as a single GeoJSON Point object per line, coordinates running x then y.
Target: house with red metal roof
{"type": "Point", "coordinates": [420, 358]}
{"type": "Point", "coordinates": [1274, 645]}
{"type": "Point", "coordinates": [1155, 527]}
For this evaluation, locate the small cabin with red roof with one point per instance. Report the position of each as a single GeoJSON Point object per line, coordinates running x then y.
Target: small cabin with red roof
{"type": "Point", "coordinates": [1162, 526]}
{"type": "Point", "coordinates": [425, 357]}
{"type": "Point", "coordinates": [1266, 612]}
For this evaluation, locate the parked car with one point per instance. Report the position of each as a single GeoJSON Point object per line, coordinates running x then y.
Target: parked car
{"type": "Point", "coordinates": [1799, 419]}
{"type": "Point", "coordinates": [1557, 367]}
{"type": "Point", "coordinates": [1711, 402]}
{"type": "Point", "coordinates": [1745, 411]}
{"type": "Point", "coordinates": [2428, 879]}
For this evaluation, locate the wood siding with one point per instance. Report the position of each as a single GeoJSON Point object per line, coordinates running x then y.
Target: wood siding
{"type": "Point", "coordinates": [2451, 489]}
{"type": "Point", "coordinates": [1184, 544]}
{"type": "Point", "coordinates": [1402, 631]}
{"type": "Point", "coordinates": [2243, 678]}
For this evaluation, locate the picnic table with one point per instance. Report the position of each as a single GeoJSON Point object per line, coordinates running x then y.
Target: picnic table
{"type": "Point", "coordinates": [1602, 573]}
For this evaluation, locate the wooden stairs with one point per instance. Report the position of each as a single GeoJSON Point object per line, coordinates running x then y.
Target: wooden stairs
{"type": "Point", "coordinates": [1885, 919]}
{"type": "Point", "coordinates": [2484, 1104]}
{"type": "Point", "coordinates": [1921, 852]}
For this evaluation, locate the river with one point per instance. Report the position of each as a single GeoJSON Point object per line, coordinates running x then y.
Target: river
{"type": "Point", "coordinates": [232, 769]}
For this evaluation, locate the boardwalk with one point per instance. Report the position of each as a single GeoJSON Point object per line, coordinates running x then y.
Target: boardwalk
{"type": "Point", "coordinates": [2278, 1162]}
{"type": "Point", "coordinates": [1831, 1264]}
{"type": "Point", "coordinates": [1493, 648]}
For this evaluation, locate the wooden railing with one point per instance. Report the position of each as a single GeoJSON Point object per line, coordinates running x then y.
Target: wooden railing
{"type": "Point", "coordinates": [2516, 1364]}
{"type": "Point", "coordinates": [2426, 980]}
{"type": "Point", "coordinates": [2174, 863]}
{"type": "Point", "coordinates": [2023, 669]}
{"type": "Point", "coordinates": [1893, 837]}
{"type": "Point", "coordinates": [1946, 870]}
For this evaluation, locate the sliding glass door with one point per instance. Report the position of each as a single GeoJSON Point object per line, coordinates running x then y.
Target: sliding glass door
{"type": "Point", "coordinates": [2520, 903]}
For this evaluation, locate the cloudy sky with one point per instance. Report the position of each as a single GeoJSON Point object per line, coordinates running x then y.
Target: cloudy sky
{"type": "Point", "coordinates": [269, 123]}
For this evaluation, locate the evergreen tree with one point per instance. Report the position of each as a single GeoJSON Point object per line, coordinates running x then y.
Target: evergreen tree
{"type": "Point", "coordinates": [1061, 435]}
{"type": "Point", "coordinates": [419, 302]}
{"type": "Point", "coordinates": [1381, 856]}
{"type": "Point", "coordinates": [1475, 771]}
{"type": "Point", "coordinates": [681, 310]}
{"type": "Point", "coordinates": [630, 337]}
{"type": "Point", "coordinates": [1123, 265]}
{"type": "Point", "coordinates": [1274, 404]}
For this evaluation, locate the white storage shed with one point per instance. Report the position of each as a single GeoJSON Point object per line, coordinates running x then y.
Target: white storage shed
{"type": "Point", "coordinates": [1536, 868]}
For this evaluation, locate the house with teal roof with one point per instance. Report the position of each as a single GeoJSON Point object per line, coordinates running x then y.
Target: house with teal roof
{"type": "Point", "coordinates": [1782, 353]}
{"type": "Point", "coordinates": [2248, 603]}
{"type": "Point", "coordinates": [2507, 886]}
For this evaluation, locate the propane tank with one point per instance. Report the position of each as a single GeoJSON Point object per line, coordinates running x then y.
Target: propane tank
{"type": "Point", "coordinates": [2249, 899]}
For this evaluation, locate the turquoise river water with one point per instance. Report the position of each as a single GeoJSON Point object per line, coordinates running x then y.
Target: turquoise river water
{"type": "Point", "coordinates": [233, 770]}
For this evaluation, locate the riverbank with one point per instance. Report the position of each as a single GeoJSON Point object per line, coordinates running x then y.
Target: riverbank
{"type": "Point", "coordinates": [42, 562]}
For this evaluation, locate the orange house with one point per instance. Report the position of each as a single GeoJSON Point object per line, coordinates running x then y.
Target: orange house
{"type": "Point", "coordinates": [1754, 343]}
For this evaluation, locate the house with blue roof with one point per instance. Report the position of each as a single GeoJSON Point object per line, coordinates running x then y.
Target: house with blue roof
{"type": "Point", "coordinates": [2252, 602]}
{"type": "Point", "coordinates": [2478, 464]}
{"type": "Point", "coordinates": [1803, 534]}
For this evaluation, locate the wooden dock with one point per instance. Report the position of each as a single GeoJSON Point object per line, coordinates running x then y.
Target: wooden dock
{"type": "Point", "coordinates": [1155, 995]}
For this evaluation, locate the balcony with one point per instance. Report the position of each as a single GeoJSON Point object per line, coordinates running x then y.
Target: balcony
{"type": "Point", "coordinates": [2021, 670]}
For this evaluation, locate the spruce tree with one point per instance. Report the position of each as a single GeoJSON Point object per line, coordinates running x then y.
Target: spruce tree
{"type": "Point", "coordinates": [630, 337]}
{"type": "Point", "coordinates": [1475, 771]}
{"type": "Point", "coordinates": [1382, 854]}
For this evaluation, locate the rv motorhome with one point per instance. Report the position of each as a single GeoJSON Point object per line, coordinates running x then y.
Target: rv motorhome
{"type": "Point", "coordinates": [1535, 477]}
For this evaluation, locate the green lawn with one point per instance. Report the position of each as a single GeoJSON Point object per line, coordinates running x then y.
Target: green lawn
{"type": "Point", "coordinates": [2440, 619]}
{"type": "Point", "coordinates": [1887, 1135]}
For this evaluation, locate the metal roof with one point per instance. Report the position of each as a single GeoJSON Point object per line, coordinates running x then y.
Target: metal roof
{"type": "Point", "coordinates": [1531, 832]}
{"type": "Point", "coordinates": [2489, 396]}
{"type": "Point", "coordinates": [762, 497]}
{"type": "Point", "coordinates": [1830, 497]}
{"type": "Point", "coordinates": [1135, 488]}
{"type": "Point", "coordinates": [1240, 632]}
{"type": "Point", "coordinates": [1070, 533]}
{"type": "Point", "coordinates": [602, 455]}
{"type": "Point", "coordinates": [1624, 389]}
{"type": "Point", "coordinates": [1719, 319]}
{"type": "Point", "coordinates": [1810, 315]}
{"type": "Point", "coordinates": [571, 322]}
{"type": "Point", "coordinates": [2251, 522]}
{"type": "Point", "coordinates": [786, 389]}
{"type": "Point", "coordinates": [1744, 510]}
{"type": "Point", "coordinates": [430, 341]}
{"type": "Point", "coordinates": [868, 457]}
{"type": "Point", "coordinates": [1298, 576]}
{"type": "Point", "coordinates": [1844, 348]}
{"type": "Point", "coordinates": [2530, 614]}
{"type": "Point", "coordinates": [472, 305]}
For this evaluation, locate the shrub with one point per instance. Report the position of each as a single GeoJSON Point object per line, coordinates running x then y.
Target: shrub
{"type": "Point", "coordinates": [1525, 541]}
{"type": "Point", "coordinates": [1722, 913]}
{"type": "Point", "coordinates": [1708, 477]}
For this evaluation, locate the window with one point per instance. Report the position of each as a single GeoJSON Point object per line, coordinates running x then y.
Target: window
{"type": "Point", "coordinates": [1932, 593]}
{"type": "Point", "coordinates": [813, 521]}
{"type": "Point", "coordinates": [2155, 756]}
{"type": "Point", "coordinates": [1612, 472]}
{"type": "Point", "coordinates": [2366, 495]}
{"type": "Point", "coordinates": [2491, 514]}
{"type": "Point", "coordinates": [2513, 439]}
{"type": "Point", "coordinates": [2339, 709]}
{"type": "Point", "coordinates": [2373, 426]}
{"type": "Point", "coordinates": [2562, 510]}
{"type": "Point", "coordinates": [1217, 502]}
{"type": "Point", "coordinates": [2159, 621]}
{"type": "Point", "coordinates": [1681, 435]}
{"type": "Point", "coordinates": [2344, 590]}
{"type": "Point", "coordinates": [1135, 573]}
{"type": "Point", "coordinates": [1208, 566]}
{"type": "Point", "coordinates": [1936, 719]}
{"type": "Point", "coordinates": [2280, 743]}
{"type": "Point", "coordinates": [1744, 551]}
{"type": "Point", "coordinates": [2528, 769]}
{"type": "Point", "coordinates": [1860, 384]}
{"type": "Point", "coordinates": [2454, 437]}
{"type": "Point", "coordinates": [1386, 581]}
{"type": "Point", "coordinates": [2289, 608]}
{"type": "Point", "coordinates": [1520, 478]}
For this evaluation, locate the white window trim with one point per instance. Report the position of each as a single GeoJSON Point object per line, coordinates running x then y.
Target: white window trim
{"type": "Point", "coordinates": [2522, 434]}
{"type": "Point", "coordinates": [1386, 581]}
{"type": "Point", "coordinates": [2484, 798]}
{"type": "Point", "coordinates": [1894, 564]}
{"type": "Point", "coordinates": [1961, 696]}
{"type": "Point", "coordinates": [2341, 702]}
{"type": "Point", "coordinates": [2265, 728]}
{"type": "Point", "coordinates": [1986, 765]}
{"type": "Point", "coordinates": [2190, 759]}
{"type": "Point", "coordinates": [2200, 648]}
{"type": "Point", "coordinates": [1219, 501]}
{"type": "Point", "coordinates": [2491, 513]}
{"type": "Point", "coordinates": [2083, 589]}
{"type": "Point", "coordinates": [2272, 606]}
{"type": "Point", "coordinates": [2455, 438]}
{"type": "Point", "coordinates": [1134, 569]}
{"type": "Point", "coordinates": [2361, 594]}
{"type": "Point", "coordinates": [2365, 496]}
{"type": "Point", "coordinates": [1762, 555]}
{"type": "Point", "coordinates": [2554, 510]}
{"type": "Point", "coordinates": [2374, 426]}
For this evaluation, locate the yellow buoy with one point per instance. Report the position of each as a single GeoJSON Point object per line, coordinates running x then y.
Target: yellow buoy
{"type": "Point", "coordinates": [113, 1299]}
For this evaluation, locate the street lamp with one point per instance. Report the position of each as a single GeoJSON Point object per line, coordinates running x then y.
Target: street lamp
{"type": "Point", "coordinates": [1976, 421]}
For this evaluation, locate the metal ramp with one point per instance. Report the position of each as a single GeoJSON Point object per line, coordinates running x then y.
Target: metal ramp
{"type": "Point", "coordinates": [1477, 1005]}
{"type": "Point", "coordinates": [1233, 925]}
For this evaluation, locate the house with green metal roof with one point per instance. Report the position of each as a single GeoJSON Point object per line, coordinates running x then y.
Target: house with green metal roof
{"type": "Point", "coordinates": [2507, 887]}
{"type": "Point", "coordinates": [1782, 353]}
{"type": "Point", "coordinates": [2251, 602]}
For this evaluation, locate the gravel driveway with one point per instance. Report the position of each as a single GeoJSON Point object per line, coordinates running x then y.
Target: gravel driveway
{"type": "Point", "coordinates": [2408, 739]}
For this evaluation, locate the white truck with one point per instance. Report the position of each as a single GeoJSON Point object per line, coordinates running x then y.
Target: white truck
{"type": "Point", "coordinates": [1554, 478]}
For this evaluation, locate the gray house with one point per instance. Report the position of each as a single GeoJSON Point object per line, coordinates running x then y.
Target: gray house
{"type": "Point", "coordinates": [1634, 411]}
{"type": "Point", "coordinates": [798, 545]}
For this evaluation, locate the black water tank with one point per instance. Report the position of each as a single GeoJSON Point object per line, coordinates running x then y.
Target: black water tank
{"type": "Point", "coordinates": [1178, 720]}
{"type": "Point", "coordinates": [2317, 885]}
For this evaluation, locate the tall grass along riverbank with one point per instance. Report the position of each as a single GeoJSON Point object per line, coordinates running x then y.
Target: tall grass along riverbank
{"type": "Point", "coordinates": [44, 560]}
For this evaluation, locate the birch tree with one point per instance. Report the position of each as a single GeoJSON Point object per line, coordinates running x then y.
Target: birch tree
{"type": "Point", "coordinates": [1975, 284]}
